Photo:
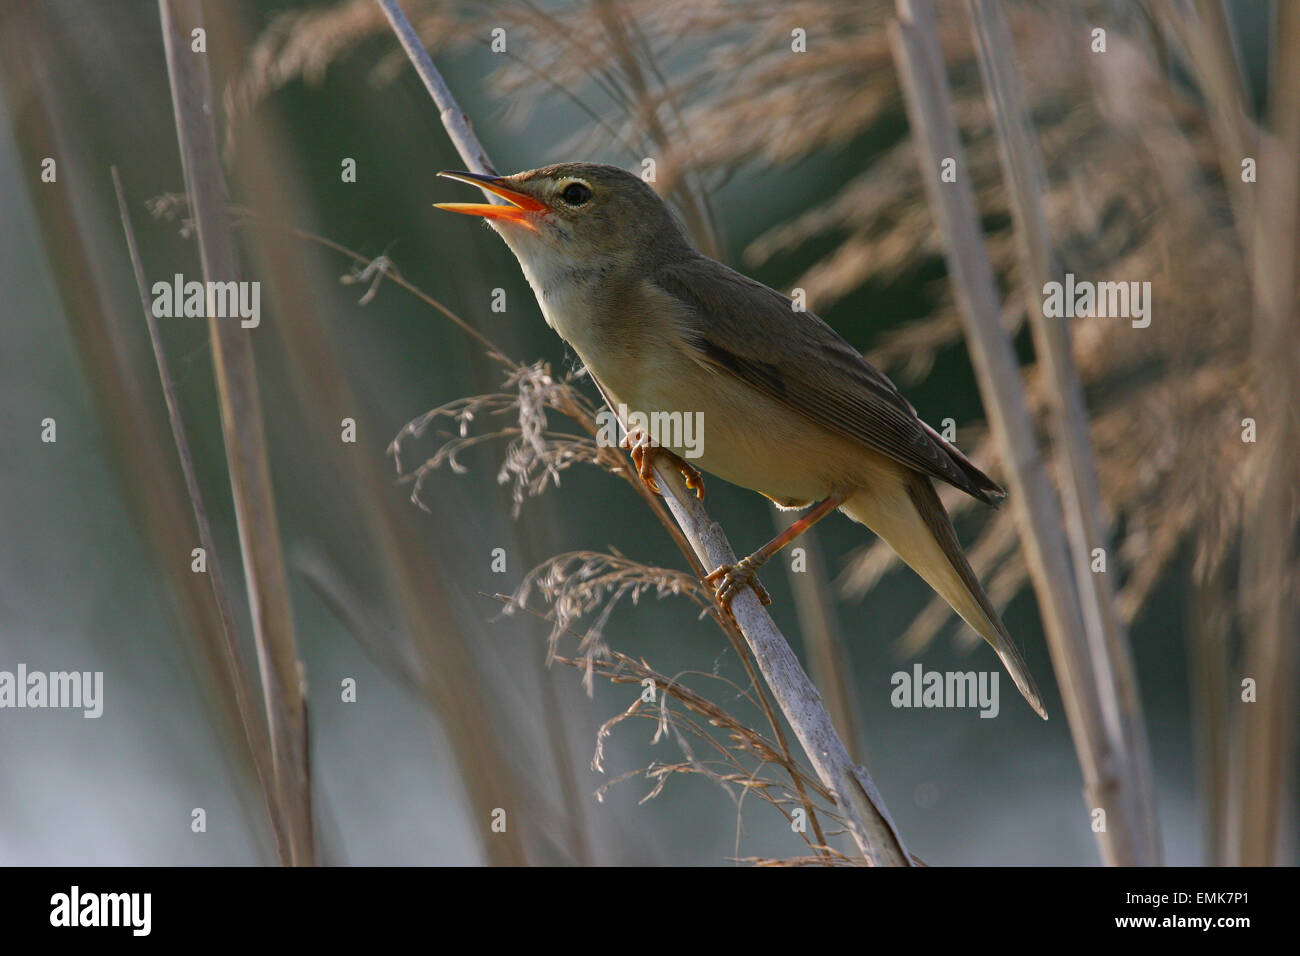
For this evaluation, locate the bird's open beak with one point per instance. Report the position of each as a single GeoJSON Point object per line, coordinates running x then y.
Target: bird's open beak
{"type": "Point", "coordinates": [521, 205]}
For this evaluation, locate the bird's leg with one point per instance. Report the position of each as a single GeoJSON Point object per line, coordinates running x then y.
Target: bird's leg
{"type": "Point", "coordinates": [728, 579]}
{"type": "Point", "coordinates": [644, 452]}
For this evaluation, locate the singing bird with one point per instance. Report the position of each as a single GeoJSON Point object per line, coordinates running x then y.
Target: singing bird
{"type": "Point", "coordinates": [790, 409]}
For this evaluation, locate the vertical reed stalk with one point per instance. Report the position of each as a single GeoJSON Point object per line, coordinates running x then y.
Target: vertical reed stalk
{"type": "Point", "coordinates": [242, 428]}
{"type": "Point", "coordinates": [1026, 181]}
{"type": "Point", "coordinates": [823, 640]}
{"type": "Point", "coordinates": [1100, 746]}
{"type": "Point", "coordinates": [1258, 805]}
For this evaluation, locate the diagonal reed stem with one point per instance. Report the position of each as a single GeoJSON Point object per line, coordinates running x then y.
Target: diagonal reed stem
{"type": "Point", "coordinates": [259, 744]}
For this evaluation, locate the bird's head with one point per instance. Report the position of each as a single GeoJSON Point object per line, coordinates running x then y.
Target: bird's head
{"type": "Point", "coordinates": [575, 213]}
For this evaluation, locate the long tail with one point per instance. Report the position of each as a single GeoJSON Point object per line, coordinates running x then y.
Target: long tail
{"type": "Point", "coordinates": [910, 518]}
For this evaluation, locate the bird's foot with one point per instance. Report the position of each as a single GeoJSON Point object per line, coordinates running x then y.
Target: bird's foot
{"type": "Point", "coordinates": [728, 580]}
{"type": "Point", "coordinates": [644, 450]}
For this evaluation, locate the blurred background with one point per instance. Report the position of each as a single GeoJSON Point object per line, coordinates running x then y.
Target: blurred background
{"type": "Point", "coordinates": [795, 167]}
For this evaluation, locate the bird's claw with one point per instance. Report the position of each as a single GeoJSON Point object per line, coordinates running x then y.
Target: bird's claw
{"type": "Point", "coordinates": [643, 454]}
{"type": "Point", "coordinates": [728, 580]}
{"type": "Point", "coordinates": [694, 480]}
{"type": "Point", "coordinates": [642, 449]}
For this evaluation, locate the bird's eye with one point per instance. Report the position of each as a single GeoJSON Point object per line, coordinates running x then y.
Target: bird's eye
{"type": "Point", "coordinates": [575, 194]}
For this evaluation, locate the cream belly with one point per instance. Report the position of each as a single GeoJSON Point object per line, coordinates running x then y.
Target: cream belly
{"type": "Point", "coordinates": [746, 437]}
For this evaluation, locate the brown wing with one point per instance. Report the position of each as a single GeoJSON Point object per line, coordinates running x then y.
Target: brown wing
{"type": "Point", "coordinates": [751, 331]}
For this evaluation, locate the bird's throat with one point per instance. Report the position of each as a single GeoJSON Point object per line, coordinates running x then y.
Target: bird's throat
{"type": "Point", "coordinates": [568, 292]}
